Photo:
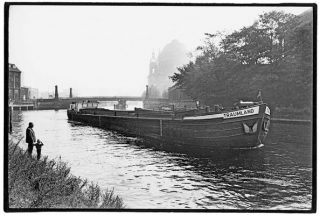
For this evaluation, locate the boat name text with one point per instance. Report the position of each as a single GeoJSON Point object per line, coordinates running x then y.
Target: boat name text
{"type": "Point", "coordinates": [239, 113]}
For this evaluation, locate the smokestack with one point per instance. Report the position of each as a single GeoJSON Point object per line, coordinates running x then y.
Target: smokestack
{"type": "Point", "coordinates": [56, 95]}
{"type": "Point", "coordinates": [147, 91]}
{"type": "Point", "coordinates": [70, 95]}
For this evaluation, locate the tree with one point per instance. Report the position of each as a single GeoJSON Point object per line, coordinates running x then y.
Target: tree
{"type": "Point", "coordinates": [274, 55]}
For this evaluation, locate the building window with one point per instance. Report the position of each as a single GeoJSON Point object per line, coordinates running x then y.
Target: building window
{"type": "Point", "coordinates": [17, 81]}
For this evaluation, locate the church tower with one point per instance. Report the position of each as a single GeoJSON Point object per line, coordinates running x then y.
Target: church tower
{"type": "Point", "coordinates": [153, 70]}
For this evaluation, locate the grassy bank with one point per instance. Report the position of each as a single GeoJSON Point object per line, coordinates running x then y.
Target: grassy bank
{"type": "Point", "coordinates": [48, 184]}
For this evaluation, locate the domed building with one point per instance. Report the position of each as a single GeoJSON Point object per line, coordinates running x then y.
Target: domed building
{"type": "Point", "coordinates": [165, 65]}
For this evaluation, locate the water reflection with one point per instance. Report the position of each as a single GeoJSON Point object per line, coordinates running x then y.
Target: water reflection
{"type": "Point", "coordinates": [277, 176]}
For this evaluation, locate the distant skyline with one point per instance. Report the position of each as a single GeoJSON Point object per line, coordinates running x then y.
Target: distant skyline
{"type": "Point", "coordinates": [105, 50]}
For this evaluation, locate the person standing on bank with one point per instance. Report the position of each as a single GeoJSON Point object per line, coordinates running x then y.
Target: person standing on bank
{"type": "Point", "coordinates": [30, 138]}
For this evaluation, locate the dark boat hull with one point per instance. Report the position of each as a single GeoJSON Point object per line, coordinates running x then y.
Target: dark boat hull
{"type": "Point", "coordinates": [203, 133]}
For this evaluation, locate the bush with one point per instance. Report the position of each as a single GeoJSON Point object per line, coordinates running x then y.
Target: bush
{"type": "Point", "coordinates": [48, 183]}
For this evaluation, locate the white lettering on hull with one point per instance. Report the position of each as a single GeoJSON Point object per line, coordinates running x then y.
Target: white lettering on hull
{"type": "Point", "coordinates": [240, 113]}
{"type": "Point", "coordinates": [228, 115]}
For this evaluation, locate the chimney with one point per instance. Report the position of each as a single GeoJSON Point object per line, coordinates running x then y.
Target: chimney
{"type": "Point", "coordinates": [70, 95]}
{"type": "Point", "coordinates": [56, 95]}
{"type": "Point", "coordinates": [147, 91]}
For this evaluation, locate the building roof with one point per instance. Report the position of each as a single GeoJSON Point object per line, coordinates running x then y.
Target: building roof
{"type": "Point", "coordinates": [13, 68]}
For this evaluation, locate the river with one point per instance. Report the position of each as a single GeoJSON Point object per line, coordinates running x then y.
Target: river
{"type": "Point", "coordinates": [277, 176]}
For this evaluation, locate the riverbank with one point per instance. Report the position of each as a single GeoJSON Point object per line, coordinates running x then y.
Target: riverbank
{"type": "Point", "coordinates": [48, 183]}
{"type": "Point", "coordinates": [290, 113]}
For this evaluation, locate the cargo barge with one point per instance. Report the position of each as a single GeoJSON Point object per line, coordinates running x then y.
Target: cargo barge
{"type": "Point", "coordinates": [243, 126]}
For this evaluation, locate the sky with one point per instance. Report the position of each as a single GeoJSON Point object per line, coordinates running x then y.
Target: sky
{"type": "Point", "coordinates": [105, 50]}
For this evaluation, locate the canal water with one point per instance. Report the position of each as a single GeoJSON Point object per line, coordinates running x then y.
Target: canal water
{"type": "Point", "coordinates": [277, 176]}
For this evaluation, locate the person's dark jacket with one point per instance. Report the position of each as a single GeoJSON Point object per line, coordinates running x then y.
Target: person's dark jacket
{"type": "Point", "coordinates": [30, 136]}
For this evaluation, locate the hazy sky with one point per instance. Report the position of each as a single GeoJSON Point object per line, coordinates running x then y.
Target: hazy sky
{"type": "Point", "coordinates": [105, 50]}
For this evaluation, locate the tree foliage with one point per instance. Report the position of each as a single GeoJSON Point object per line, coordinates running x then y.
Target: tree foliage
{"type": "Point", "coordinates": [274, 55]}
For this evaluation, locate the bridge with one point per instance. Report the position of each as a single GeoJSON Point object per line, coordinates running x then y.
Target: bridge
{"type": "Point", "coordinates": [64, 103]}
{"type": "Point", "coordinates": [106, 98]}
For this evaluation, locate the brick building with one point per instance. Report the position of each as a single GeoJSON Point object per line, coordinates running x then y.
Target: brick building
{"type": "Point", "coordinates": [24, 93]}
{"type": "Point", "coordinates": [14, 83]}
{"type": "Point", "coordinates": [28, 93]}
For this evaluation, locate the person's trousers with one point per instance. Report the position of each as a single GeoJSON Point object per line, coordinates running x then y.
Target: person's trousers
{"type": "Point", "coordinates": [38, 154]}
{"type": "Point", "coordinates": [30, 148]}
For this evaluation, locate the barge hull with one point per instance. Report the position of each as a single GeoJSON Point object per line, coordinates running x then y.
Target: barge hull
{"type": "Point", "coordinates": [204, 134]}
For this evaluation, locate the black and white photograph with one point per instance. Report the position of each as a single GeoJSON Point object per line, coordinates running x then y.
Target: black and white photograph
{"type": "Point", "coordinates": [159, 107]}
